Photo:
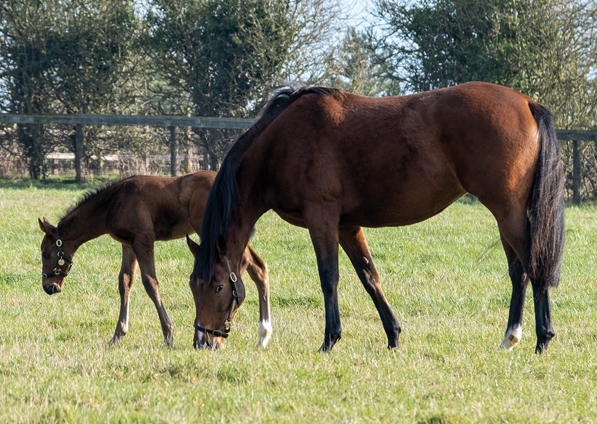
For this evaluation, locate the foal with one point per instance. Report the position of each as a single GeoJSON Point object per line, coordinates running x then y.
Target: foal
{"type": "Point", "coordinates": [138, 211]}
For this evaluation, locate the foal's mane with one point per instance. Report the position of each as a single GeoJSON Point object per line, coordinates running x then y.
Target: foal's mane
{"type": "Point", "coordinates": [90, 194]}
{"type": "Point", "coordinates": [224, 193]}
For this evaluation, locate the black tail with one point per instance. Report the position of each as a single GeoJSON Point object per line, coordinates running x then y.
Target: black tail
{"type": "Point", "coordinates": [546, 204]}
{"type": "Point", "coordinates": [224, 193]}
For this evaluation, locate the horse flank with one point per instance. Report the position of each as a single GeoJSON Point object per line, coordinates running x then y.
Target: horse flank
{"type": "Point", "coordinates": [224, 194]}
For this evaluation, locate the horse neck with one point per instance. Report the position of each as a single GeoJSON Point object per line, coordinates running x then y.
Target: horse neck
{"type": "Point", "coordinates": [84, 223]}
{"type": "Point", "coordinates": [248, 210]}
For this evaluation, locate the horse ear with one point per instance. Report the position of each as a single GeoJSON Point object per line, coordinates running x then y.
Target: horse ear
{"type": "Point", "coordinates": [192, 245]}
{"type": "Point", "coordinates": [221, 248]}
{"type": "Point", "coordinates": [45, 226]}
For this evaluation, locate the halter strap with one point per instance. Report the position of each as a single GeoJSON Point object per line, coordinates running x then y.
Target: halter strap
{"type": "Point", "coordinates": [234, 305]}
{"type": "Point", "coordinates": [61, 261]}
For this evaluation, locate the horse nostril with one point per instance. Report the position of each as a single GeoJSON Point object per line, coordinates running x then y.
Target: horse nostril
{"type": "Point", "coordinates": [52, 288]}
{"type": "Point", "coordinates": [218, 344]}
{"type": "Point", "coordinates": [201, 344]}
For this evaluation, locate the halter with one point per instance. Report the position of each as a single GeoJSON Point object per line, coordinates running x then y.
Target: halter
{"type": "Point", "coordinates": [61, 261]}
{"type": "Point", "coordinates": [234, 305]}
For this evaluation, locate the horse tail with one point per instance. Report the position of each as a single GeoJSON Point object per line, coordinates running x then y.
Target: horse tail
{"type": "Point", "coordinates": [546, 204]}
{"type": "Point", "coordinates": [224, 193]}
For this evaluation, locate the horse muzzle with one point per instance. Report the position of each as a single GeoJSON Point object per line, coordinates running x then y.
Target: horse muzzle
{"type": "Point", "coordinates": [52, 288]}
{"type": "Point", "coordinates": [212, 343]}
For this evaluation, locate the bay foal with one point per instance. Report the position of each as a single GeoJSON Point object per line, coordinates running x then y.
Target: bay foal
{"type": "Point", "coordinates": [137, 212]}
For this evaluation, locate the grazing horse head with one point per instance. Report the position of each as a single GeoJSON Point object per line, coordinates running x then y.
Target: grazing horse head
{"type": "Point", "coordinates": [56, 258]}
{"type": "Point", "coordinates": [216, 300]}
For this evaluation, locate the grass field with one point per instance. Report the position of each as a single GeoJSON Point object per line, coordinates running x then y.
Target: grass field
{"type": "Point", "coordinates": [446, 280]}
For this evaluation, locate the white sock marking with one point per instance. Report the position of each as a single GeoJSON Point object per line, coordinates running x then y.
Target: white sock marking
{"type": "Point", "coordinates": [265, 332]}
{"type": "Point", "coordinates": [511, 338]}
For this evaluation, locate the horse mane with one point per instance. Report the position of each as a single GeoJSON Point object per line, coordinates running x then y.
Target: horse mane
{"type": "Point", "coordinates": [89, 194]}
{"type": "Point", "coordinates": [224, 193]}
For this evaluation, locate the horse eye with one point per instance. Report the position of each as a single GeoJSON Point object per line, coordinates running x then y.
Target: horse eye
{"type": "Point", "coordinates": [47, 255]}
{"type": "Point", "coordinates": [219, 289]}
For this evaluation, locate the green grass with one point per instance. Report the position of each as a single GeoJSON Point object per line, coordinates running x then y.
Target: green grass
{"type": "Point", "coordinates": [446, 283]}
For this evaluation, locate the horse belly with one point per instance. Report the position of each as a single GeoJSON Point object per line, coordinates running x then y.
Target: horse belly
{"type": "Point", "coordinates": [401, 181]}
{"type": "Point", "coordinates": [406, 206]}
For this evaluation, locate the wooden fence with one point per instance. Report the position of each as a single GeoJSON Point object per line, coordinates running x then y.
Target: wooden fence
{"type": "Point", "coordinates": [172, 122]}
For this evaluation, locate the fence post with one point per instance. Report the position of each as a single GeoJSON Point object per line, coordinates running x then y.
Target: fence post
{"type": "Point", "coordinates": [173, 149]}
{"type": "Point", "coordinates": [79, 153]}
{"type": "Point", "coordinates": [576, 172]}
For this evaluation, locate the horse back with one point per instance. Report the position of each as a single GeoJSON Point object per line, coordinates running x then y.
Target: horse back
{"type": "Point", "coordinates": [410, 156]}
{"type": "Point", "coordinates": [165, 207]}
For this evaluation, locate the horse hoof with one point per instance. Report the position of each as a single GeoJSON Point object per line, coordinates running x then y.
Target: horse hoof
{"type": "Point", "coordinates": [393, 343]}
{"type": "Point", "coordinates": [543, 342]}
{"type": "Point", "coordinates": [325, 349]}
{"type": "Point", "coordinates": [265, 333]}
{"type": "Point", "coordinates": [329, 341]}
{"type": "Point", "coordinates": [116, 338]}
{"type": "Point", "coordinates": [511, 339]}
{"type": "Point", "coordinates": [541, 346]}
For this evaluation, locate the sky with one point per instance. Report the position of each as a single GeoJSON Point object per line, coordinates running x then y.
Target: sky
{"type": "Point", "coordinates": [358, 10]}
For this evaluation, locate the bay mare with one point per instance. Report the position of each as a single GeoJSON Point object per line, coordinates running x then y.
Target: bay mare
{"type": "Point", "coordinates": [334, 162]}
{"type": "Point", "coordinates": [137, 212]}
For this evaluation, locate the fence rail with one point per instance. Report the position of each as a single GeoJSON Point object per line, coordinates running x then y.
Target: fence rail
{"type": "Point", "coordinates": [172, 122]}
{"type": "Point", "coordinates": [129, 120]}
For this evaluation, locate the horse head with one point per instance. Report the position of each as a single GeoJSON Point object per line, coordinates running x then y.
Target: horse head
{"type": "Point", "coordinates": [216, 300]}
{"type": "Point", "coordinates": [56, 258]}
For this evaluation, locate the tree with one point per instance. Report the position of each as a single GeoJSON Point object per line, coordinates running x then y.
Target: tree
{"type": "Point", "coordinates": [218, 58]}
{"type": "Point", "coordinates": [543, 48]}
{"type": "Point", "coordinates": [24, 65]}
{"type": "Point", "coordinates": [354, 69]}
{"type": "Point", "coordinates": [63, 57]}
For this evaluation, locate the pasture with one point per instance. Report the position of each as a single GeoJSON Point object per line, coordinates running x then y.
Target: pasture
{"type": "Point", "coordinates": [445, 278]}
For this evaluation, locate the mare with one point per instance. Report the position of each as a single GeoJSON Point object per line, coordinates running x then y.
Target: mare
{"type": "Point", "coordinates": [335, 162]}
{"type": "Point", "coordinates": [137, 212]}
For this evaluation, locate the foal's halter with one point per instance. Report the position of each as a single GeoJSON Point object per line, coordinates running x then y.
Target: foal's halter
{"type": "Point", "coordinates": [234, 305]}
{"type": "Point", "coordinates": [61, 261]}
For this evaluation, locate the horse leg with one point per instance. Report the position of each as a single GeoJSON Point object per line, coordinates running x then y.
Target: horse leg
{"type": "Point", "coordinates": [355, 245]}
{"type": "Point", "coordinates": [257, 269]}
{"type": "Point", "coordinates": [145, 255]}
{"type": "Point", "coordinates": [519, 288]}
{"type": "Point", "coordinates": [543, 325]}
{"type": "Point", "coordinates": [125, 283]}
{"type": "Point", "coordinates": [514, 227]}
{"type": "Point", "coordinates": [323, 229]}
